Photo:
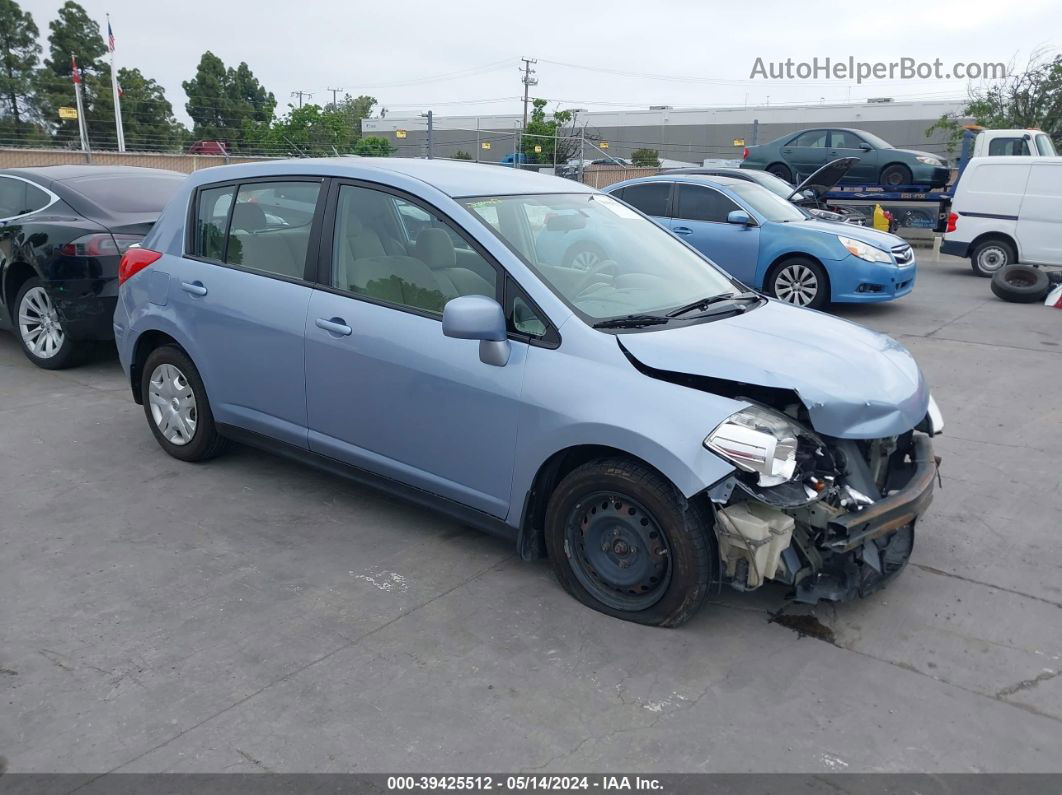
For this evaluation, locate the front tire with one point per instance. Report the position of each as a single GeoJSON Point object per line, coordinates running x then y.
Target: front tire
{"type": "Point", "coordinates": [41, 334]}
{"type": "Point", "coordinates": [991, 256]}
{"type": "Point", "coordinates": [801, 282]}
{"type": "Point", "coordinates": [623, 541]}
{"type": "Point", "coordinates": [176, 406]}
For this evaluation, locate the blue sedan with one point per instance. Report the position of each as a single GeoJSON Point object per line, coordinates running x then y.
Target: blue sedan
{"type": "Point", "coordinates": [770, 244]}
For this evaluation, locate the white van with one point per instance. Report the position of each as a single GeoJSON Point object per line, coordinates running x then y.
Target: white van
{"type": "Point", "coordinates": [1007, 209]}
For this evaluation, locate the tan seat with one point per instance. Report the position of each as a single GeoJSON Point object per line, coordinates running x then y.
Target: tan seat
{"type": "Point", "coordinates": [436, 250]}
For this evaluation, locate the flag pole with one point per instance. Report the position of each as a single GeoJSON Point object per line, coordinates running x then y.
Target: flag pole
{"type": "Point", "coordinates": [76, 76]}
{"type": "Point", "coordinates": [118, 128]}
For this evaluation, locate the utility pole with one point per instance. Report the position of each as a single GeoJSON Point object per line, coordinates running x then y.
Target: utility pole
{"type": "Point", "coordinates": [300, 95]}
{"type": "Point", "coordinates": [335, 92]}
{"type": "Point", "coordinates": [528, 81]}
{"type": "Point", "coordinates": [431, 152]}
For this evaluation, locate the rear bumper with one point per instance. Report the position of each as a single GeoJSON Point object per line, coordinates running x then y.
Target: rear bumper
{"type": "Point", "coordinates": [85, 306]}
{"type": "Point", "coordinates": [955, 248]}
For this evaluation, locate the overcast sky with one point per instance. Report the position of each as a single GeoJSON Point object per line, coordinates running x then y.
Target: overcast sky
{"type": "Point", "coordinates": [462, 57]}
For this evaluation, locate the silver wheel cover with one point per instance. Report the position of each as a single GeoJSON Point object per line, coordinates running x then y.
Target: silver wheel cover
{"type": "Point", "coordinates": [172, 404]}
{"type": "Point", "coordinates": [796, 284]}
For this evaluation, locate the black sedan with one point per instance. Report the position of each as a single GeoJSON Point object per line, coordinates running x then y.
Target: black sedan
{"type": "Point", "coordinates": [63, 230]}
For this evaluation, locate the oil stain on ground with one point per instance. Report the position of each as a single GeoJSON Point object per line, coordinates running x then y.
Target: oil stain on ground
{"type": "Point", "coordinates": [804, 625]}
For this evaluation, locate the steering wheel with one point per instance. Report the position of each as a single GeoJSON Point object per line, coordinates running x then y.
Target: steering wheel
{"type": "Point", "coordinates": [602, 273]}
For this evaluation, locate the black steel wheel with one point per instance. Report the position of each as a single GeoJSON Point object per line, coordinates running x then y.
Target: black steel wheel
{"type": "Point", "coordinates": [622, 540]}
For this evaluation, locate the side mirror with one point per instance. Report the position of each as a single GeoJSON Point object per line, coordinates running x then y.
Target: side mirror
{"type": "Point", "coordinates": [476, 317]}
{"type": "Point", "coordinates": [739, 217]}
{"type": "Point", "coordinates": [865, 146]}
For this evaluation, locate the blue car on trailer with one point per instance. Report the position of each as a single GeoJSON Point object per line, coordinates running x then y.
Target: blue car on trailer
{"type": "Point", "coordinates": [769, 243]}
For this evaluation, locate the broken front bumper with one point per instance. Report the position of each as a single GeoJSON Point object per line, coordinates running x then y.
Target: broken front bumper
{"type": "Point", "coordinates": [863, 549]}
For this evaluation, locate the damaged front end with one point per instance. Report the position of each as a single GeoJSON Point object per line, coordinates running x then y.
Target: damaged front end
{"type": "Point", "coordinates": [833, 518]}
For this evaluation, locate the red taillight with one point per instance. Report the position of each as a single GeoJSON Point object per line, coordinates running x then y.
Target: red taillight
{"type": "Point", "coordinates": [100, 244]}
{"type": "Point", "coordinates": [745, 154]}
{"type": "Point", "coordinates": [953, 219]}
{"type": "Point", "coordinates": [135, 260]}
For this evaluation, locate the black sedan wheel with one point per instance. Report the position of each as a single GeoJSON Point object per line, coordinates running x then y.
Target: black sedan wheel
{"type": "Point", "coordinates": [39, 329]}
{"type": "Point", "coordinates": [781, 171]}
{"type": "Point", "coordinates": [622, 541]}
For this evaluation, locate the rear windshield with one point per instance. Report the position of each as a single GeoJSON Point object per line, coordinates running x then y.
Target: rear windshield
{"type": "Point", "coordinates": [127, 193]}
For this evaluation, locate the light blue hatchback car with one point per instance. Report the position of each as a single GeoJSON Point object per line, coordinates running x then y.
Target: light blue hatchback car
{"type": "Point", "coordinates": [646, 423]}
{"type": "Point", "coordinates": [772, 245]}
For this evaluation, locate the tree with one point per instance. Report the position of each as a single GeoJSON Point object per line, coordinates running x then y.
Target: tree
{"type": "Point", "coordinates": [73, 33]}
{"type": "Point", "coordinates": [373, 146]}
{"type": "Point", "coordinates": [147, 116]}
{"type": "Point", "coordinates": [646, 157]}
{"type": "Point", "coordinates": [1022, 100]}
{"type": "Point", "coordinates": [354, 109]}
{"type": "Point", "coordinates": [309, 131]}
{"type": "Point", "coordinates": [461, 154]}
{"type": "Point", "coordinates": [227, 104]}
{"type": "Point", "coordinates": [558, 137]}
{"type": "Point", "coordinates": [19, 54]}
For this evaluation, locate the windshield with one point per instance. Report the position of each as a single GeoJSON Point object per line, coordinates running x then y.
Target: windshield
{"type": "Point", "coordinates": [873, 140]}
{"type": "Point", "coordinates": [603, 259]}
{"type": "Point", "coordinates": [770, 205]}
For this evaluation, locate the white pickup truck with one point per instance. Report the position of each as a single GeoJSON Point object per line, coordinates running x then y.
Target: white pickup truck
{"type": "Point", "coordinates": [1027, 143]}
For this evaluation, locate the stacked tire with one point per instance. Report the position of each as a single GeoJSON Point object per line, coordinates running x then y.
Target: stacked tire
{"type": "Point", "coordinates": [1022, 284]}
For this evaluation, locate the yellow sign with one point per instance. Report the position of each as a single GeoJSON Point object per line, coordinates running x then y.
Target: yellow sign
{"type": "Point", "coordinates": [400, 133]}
{"type": "Point", "coordinates": [485, 144]}
{"type": "Point", "coordinates": [67, 113]}
{"type": "Point", "coordinates": [603, 145]}
{"type": "Point", "coordinates": [739, 142]}
{"type": "Point", "coordinates": [538, 148]}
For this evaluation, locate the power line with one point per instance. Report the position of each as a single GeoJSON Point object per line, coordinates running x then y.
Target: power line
{"type": "Point", "coordinates": [335, 93]}
{"type": "Point", "coordinates": [300, 95]}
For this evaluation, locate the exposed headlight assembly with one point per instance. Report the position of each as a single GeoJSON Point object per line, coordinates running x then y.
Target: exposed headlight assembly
{"type": "Point", "coordinates": [857, 248]}
{"type": "Point", "coordinates": [758, 440]}
{"type": "Point", "coordinates": [929, 161]}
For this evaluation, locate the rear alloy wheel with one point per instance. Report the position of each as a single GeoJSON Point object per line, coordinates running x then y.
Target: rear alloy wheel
{"type": "Point", "coordinates": [781, 171]}
{"type": "Point", "coordinates": [991, 256]}
{"type": "Point", "coordinates": [622, 540]}
{"type": "Point", "coordinates": [800, 282]}
{"type": "Point", "coordinates": [176, 406]}
{"type": "Point", "coordinates": [41, 333]}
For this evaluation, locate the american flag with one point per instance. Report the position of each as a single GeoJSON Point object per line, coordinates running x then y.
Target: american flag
{"type": "Point", "coordinates": [74, 73]}
{"type": "Point", "coordinates": [110, 36]}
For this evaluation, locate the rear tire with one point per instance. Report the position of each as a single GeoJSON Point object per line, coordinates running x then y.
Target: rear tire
{"type": "Point", "coordinates": [622, 540]}
{"type": "Point", "coordinates": [1021, 284]}
{"type": "Point", "coordinates": [991, 256]}
{"type": "Point", "coordinates": [176, 406]}
{"type": "Point", "coordinates": [39, 330]}
{"type": "Point", "coordinates": [782, 171]}
{"type": "Point", "coordinates": [801, 282]}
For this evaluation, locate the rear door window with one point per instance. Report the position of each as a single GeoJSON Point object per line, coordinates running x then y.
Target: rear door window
{"type": "Point", "coordinates": [269, 228]}
{"type": "Point", "coordinates": [813, 138]}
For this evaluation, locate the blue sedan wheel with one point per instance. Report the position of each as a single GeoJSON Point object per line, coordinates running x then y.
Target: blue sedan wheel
{"type": "Point", "coordinates": [800, 282]}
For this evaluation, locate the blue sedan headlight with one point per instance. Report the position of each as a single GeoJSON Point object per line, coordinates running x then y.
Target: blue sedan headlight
{"type": "Point", "coordinates": [857, 248]}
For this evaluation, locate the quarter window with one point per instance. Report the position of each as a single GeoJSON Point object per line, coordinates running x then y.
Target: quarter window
{"type": "Point", "coordinates": [703, 204]}
{"type": "Point", "coordinates": [392, 250]}
{"type": "Point", "coordinates": [211, 217]}
{"type": "Point", "coordinates": [18, 197]}
{"type": "Point", "coordinates": [650, 198]}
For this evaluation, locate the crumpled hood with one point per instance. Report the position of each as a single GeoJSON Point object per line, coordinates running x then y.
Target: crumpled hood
{"type": "Point", "coordinates": [856, 383]}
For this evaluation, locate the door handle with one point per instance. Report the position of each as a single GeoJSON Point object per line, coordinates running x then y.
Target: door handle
{"type": "Point", "coordinates": [682, 230]}
{"type": "Point", "coordinates": [195, 288]}
{"type": "Point", "coordinates": [787, 151]}
{"type": "Point", "coordinates": [336, 325]}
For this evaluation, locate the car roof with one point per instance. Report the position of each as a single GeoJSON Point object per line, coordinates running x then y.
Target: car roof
{"type": "Point", "coordinates": [694, 179]}
{"type": "Point", "coordinates": [452, 177]}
